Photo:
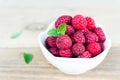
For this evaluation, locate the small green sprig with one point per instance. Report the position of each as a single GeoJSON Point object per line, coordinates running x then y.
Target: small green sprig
{"type": "Point", "coordinates": [27, 57]}
{"type": "Point", "coordinates": [59, 31]}
{"type": "Point", "coordinates": [15, 34]}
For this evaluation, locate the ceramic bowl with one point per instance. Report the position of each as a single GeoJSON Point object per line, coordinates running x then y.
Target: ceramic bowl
{"type": "Point", "coordinates": [73, 65]}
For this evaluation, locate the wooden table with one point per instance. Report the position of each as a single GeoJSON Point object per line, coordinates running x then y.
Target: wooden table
{"type": "Point", "coordinates": [12, 67]}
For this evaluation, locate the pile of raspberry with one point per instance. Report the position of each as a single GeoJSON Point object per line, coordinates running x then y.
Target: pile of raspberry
{"type": "Point", "coordinates": [82, 38]}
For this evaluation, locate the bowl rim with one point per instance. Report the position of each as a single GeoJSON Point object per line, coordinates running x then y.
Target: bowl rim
{"type": "Point", "coordinates": [63, 58]}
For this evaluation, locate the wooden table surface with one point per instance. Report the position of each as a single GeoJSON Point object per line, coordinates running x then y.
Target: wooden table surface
{"type": "Point", "coordinates": [12, 67]}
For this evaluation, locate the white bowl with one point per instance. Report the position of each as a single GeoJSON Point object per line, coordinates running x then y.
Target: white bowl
{"type": "Point", "coordinates": [73, 65]}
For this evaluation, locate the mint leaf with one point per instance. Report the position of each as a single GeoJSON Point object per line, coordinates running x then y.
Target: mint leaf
{"type": "Point", "coordinates": [61, 28]}
{"type": "Point", "coordinates": [40, 27]}
{"type": "Point", "coordinates": [15, 34]}
{"type": "Point", "coordinates": [56, 32]}
{"type": "Point", "coordinates": [53, 32]}
{"type": "Point", "coordinates": [27, 57]}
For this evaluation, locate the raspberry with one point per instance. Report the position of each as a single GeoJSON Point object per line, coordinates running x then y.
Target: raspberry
{"type": "Point", "coordinates": [63, 19]}
{"type": "Point", "coordinates": [91, 37]}
{"type": "Point", "coordinates": [63, 42]}
{"type": "Point", "coordinates": [102, 46]}
{"type": "Point", "coordinates": [90, 23]}
{"type": "Point", "coordinates": [94, 48]}
{"type": "Point", "coordinates": [86, 54]}
{"type": "Point", "coordinates": [70, 30]}
{"type": "Point", "coordinates": [100, 34]}
{"type": "Point", "coordinates": [78, 49]}
{"type": "Point", "coordinates": [65, 53]}
{"type": "Point", "coordinates": [79, 22]}
{"type": "Point", "coordinates": [54, 51]}
{"type": "Point", "coordinates": [78, 37]}
{"type": "Point", "coordinates": [85, 31]}
{"type": "Point", "coordinates": [51, 41]}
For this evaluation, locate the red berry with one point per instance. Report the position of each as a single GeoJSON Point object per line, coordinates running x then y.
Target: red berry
{"type": "Point", "coordinates": [78, 49]}
{"type": "Point", "coordinates": [63, 42]}
{"type": "Point", "coordinates": [94, 48]}
{"type": "Point", "coordinates": [51, 41]}
{"type": "Point", "coordinates": [65, 53]}
{"type": "Point", "coordinates": [100, 34]}
{"type": "Point", "coordinates": [102, 46]}
{"type": "Point", "coordinates": [90, 23]}
{"type": "Point", "coordinates": [85, 31]}
{"type": "Point", "coordinates": [70, 30]}
{"type": "Point", "coordinates": [54, 51]}
{"type": "Point", "coordinates": [78, 37]}
{"type": "Point", "coordinates": [86, 54]}
{"type": "Point", "coordinates": [79, 22]}
{"type": "Point", "coordinates": [91, 37]}
{"type": "Point", "coordinates": [63, 19]}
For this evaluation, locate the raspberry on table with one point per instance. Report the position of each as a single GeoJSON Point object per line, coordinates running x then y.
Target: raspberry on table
{"type": "Point", "coordinates": [94, 48]}
{"type": "Point", "coordinates": [86, 54]}
{"type": "Point", "coordinates": [91, 37]}
{"type": "Point", "coordinates": [78, 37]}
{"type": "Point", "coordinates": [100, 34]}
{"type": "Point", "coordinates": [78, 49]}
{"type": "Point", "coordinates": [65, 53]}
{"type": "Point", "coordinates": [63, 19]}
{"type": "Point", "coordinates": [90, 23]}
{"type": "Point", "coordinates": [79, 22]}
{"type": "Point", "coordinates": [69, 30]}
{"type": "Point", "coordinates": [51, 41]}
{"type": "Point", "coordinates": [63, 42]}
{"type": "Point", "coordinates": [54, 51]}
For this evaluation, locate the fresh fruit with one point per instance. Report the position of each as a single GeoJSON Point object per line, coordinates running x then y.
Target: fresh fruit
{"type": "Point", "coordinates": [78, 49]}
{"type": "Point", "coordinates": [79, 22]}
{"type": "Point", "coordinates": [100, 34]}
{"type": "Point", "coordinates": [54, 51]}
{"type": "Point", "coordinates": [90, 23]}
{"type": "Point", "coordinates": [63, 42]}
{"type": "Point", "coordinates": [63, 19]}
{"type": "Point", "coordinates": [85, 31]}
{"type": "Point", "coordinates": [91, 37]}
{"type": "Point", "coordinates": [86, 54]}
{"type": "Point", "coordinates": [102, 46]}
{"type": "Point", "coordinates": [70, 30]}
{"type": "Point", "coordinates": [65, 53]}
{"type": "Point", "coordinates": [94, 48]}
{"type": "Point", "coordinates": [51, 41]}
{"type": "Point", "coordinates": [78, 37]}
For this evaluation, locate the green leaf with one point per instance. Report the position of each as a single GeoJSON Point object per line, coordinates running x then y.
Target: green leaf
{"type": "Point", "coordinates": [40, 27]}
{"type": "Point", "coordinates": [61, 28]}
{"type": "Point", "coordinates": [15, 34]}
{"type": "Point", "coordinates": [53, 32]}
{"type": "Point", "coordinates": [27, 57]}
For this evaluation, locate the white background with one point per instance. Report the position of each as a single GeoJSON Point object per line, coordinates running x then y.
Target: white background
{"type": "Point", "coordinates": [14, 13]}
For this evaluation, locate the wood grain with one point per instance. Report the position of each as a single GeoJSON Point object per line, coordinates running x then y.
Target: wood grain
{"type": "Point", "coordinates": [12, 67]}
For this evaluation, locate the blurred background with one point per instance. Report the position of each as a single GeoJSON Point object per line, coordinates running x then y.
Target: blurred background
{"type": "Point", "coordinates": [16, 14]}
